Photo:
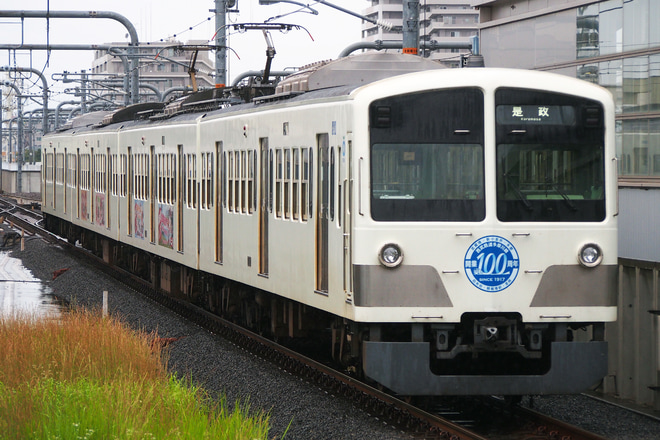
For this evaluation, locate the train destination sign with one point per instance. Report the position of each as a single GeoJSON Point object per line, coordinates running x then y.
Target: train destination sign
{"type": "Point", "coordinates": [491, 263]}
{"type": "Point", "coordinates": [535, 114]}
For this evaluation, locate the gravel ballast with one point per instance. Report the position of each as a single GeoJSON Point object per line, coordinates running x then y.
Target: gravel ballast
{"type": "Point", "coordinates": [300, 410]}
{"type": "Point", "coordinates": [296, 408]}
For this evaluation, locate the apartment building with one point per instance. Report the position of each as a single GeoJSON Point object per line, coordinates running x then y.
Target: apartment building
{"type": "Point", "coordinates": [439, 20]}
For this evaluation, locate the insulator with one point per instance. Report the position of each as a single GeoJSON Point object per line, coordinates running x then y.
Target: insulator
{"type": "Point", "coordinates": [384, 24]}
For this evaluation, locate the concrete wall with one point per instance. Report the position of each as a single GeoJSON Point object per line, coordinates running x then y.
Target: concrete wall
{"type": "Point", "coordinates": [30, 178]}
{"type": "Point", "coordinates": [634, 340]}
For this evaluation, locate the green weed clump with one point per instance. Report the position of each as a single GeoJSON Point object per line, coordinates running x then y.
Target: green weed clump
{"type": "Point", "coordinates": [88, 377]}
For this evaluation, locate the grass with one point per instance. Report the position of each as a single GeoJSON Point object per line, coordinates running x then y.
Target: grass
{"type": "Point", "coordinates": [88, 377]}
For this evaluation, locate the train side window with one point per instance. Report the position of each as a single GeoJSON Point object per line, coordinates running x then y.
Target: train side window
{"type": "Point", "coordinates": [137, 183]}
{"type": "Point", "coordinates": [191, 181]}
{"type": "Point", "coordinates": [93, 174]}
{"type": "Point", "coordinates": [123, 174]}
{"type": "Point", "coordinates": [84, 172]}
{"type": "Point", "coordinates": [251, 195]}
{"type": "Point", "coordinates": [114, 178]}
{"type": "Point", "coordinates": [49, 168]}
{"type": "Point", "coordinates": [270, 185]}
{"type": "Point", "coordinates": [296, 184]}
{"type": "Point", "coordinates": [55, 166]}
{"type": "Point", "coordinates": [100, 173]}
{"type": "Point", "coordinates": [244, 199]}
{"type": "Point", "coordinates": [71, 175]}
{"type": "Point", "coordinates": [172, 178]}
{"type": "Point", "coordinates": [278, 183]}
{"type": "Point", "coordinates": [162, 175]}
{"type": "Point", "coordinates": [230, 180]}
{"type": "Point", "coordinates": [143, 176]}
{"type": "Point", "coordinates": [88, 171]}
{"type": "Point", "coordinates": [166, 171]}
{"type": "Point", "coordinates": [340, 194]}
{"type": "Point", "coordinates": [237, 181]}
{"type": "Point", "coordinates": [234, 165]}
{"type": "Point", "coordinates": [202, 177]}
{"type": "Point", "coordinates": [305, 184]}
{"type": "Point", "coordinates": [166, 178]}
{"type": "Point", "coordinates": [231, 174]}
{"type": "Point", "coordinates": [287, 183]}
{"type": "Point", "coordinates": [159, 178]}
{"type": "Point", "coordinates": [207, 180]}
{"type": "Point", "coordinates": [138, 177]}
{"type": "Point", "coordinates": [136, 173]}
{"type": "Point", "coordinates": [210, 180]}
{"type": "Point", "coordinates": [332, 183]}
{"type": "Point", "coordinates": [222, 175]}
{"type": "Point", "coordinates": [188, 182]}
{"type": "Point", "coordinates": [184, 179]}
{"type": "Point", "coordinates": [203, 202]}
{"type": "Point", "coordinates": [59, 172]}
{"type": "Point", "coordinates": [193, 178]}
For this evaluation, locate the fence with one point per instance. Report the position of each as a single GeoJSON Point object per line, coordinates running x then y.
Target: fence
{"type": "Point", "coordinates": [634, 340]}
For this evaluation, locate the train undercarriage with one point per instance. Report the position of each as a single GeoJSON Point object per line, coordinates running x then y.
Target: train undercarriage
{"type": "Point", "coordinates": [483, 354]}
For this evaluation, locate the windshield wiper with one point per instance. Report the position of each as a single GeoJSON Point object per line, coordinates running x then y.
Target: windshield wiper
{"type": "Point", "coordinates": [563, 195]}
{"type": "Point", "coordinates": [517, 192]}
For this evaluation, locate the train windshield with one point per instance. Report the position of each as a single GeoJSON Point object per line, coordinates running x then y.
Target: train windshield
{"type": "Point", "coordinates": [427, 182]}
{"type": "Point", "coordinates": [427, 156]}
{"type": "Point", "coordinates": [550, 157]}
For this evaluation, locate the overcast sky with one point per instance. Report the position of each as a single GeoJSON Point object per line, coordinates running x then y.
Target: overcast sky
{"type": "Point", "coordinates": [156, 20]}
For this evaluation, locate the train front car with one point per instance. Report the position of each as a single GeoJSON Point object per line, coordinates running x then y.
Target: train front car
{"type": "Point", "coordinates": [485, 232]}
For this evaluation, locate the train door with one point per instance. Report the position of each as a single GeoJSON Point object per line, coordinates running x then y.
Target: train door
{"type": "Point", "coordinates": [265, 195]}
{"type": "Point", "coordinates": [322, 214]}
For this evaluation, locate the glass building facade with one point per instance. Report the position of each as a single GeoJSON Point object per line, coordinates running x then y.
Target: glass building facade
{"type": "Point", "coordinates": [613, 43]}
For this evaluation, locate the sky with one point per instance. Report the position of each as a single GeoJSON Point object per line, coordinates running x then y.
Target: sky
{"type": "Point", "coordinates": [155, 20]}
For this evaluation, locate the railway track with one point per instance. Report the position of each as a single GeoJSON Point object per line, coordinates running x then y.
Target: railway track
{"type": "Point", "coordinates": [428, 421]}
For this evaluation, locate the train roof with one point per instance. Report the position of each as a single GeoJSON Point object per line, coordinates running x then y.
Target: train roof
{"type": "Point", "coordinates": [354, 70]}
{"type": "Point", "coordinates": [318, 80]}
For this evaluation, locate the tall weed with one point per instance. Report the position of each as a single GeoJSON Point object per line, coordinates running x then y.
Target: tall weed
{"type": "Point", "coordinates": [88, 377]}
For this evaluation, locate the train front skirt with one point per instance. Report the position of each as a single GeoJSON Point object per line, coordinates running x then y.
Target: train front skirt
{"type": "Point", "coordinates": [403, 367]}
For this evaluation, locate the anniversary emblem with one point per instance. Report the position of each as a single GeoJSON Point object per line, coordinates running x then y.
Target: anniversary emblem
{"type": "Point", "coordinates": [492, 263]}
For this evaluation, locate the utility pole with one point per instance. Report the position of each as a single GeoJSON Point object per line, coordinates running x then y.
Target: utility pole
{"type": "Point", "coordinates": [221, 7]}
{"type": "Point", "coordinates": [410, 26]}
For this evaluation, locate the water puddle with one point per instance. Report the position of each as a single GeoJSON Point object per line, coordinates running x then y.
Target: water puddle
{"type": "Point", "coordinates": [22, 293]}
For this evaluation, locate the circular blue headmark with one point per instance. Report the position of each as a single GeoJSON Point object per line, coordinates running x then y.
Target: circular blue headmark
{"type": "Point", "coordinates": [492, 263]}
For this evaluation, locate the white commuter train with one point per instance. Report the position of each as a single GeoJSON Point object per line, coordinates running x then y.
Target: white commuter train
{"type": "Point", "coordinates": [442, 231]}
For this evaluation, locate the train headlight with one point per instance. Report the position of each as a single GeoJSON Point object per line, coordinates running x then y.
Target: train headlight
{"type": "Point", "coordinates": [390, 255]}
{"type": "Point", "coordinates": [590, 255]}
